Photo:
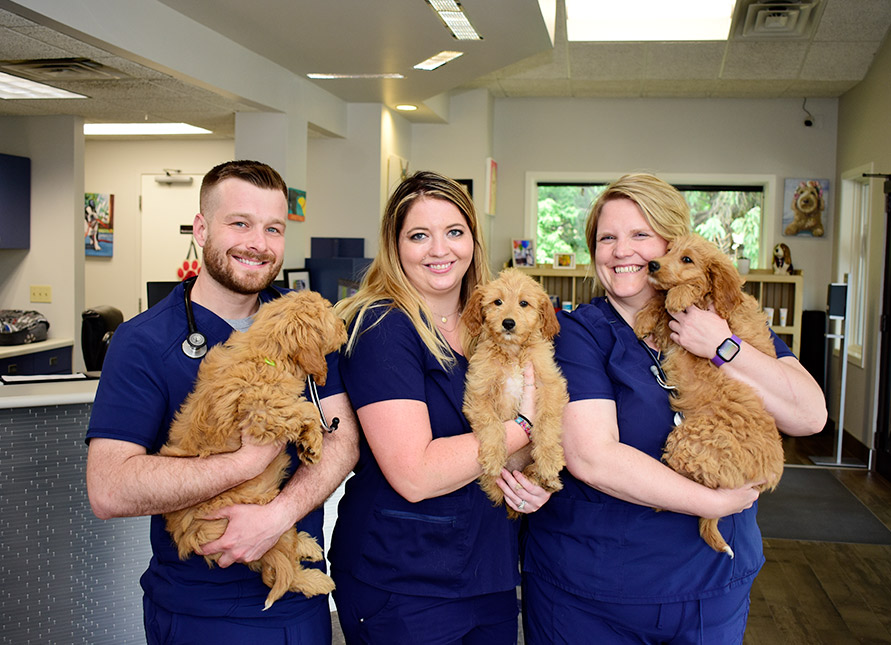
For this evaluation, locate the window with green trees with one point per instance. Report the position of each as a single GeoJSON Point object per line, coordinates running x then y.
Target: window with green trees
{"type": "Point", "coordinates": [729, 216]}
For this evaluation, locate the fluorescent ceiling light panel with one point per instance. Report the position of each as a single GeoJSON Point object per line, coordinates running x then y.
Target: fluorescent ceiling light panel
{"type": "Point", "coordinates": [460, 26]}
{"type": "Point", "coordinates": [648, 20]}
{"type": "Point", "coordinates": [142, 129]}
{"type": "Point", "coordinates": [444, 5]}
{"type": "Point", "coordinates": [321, 76]}
{"type": "Point", "coordinates": [13, 87]}
{"type": "Point", "coordinates": [438, 61]}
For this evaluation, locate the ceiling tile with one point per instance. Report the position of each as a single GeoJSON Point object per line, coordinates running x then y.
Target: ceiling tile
{"type": "Point", "coordinates": [838, 61]}
{"type": "Point", "coordinates": [684, 60]}
{"type": "Point", "coordinates": [854, 20]}
{"type": "Point", "coordinates": [759, 60]}
{"type": "Point", "coordinates": [606, 61]}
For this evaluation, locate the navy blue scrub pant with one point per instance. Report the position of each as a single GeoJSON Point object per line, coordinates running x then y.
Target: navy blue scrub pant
{"type": "Point", "coordinates": [167, 628]}
{"type": "Point", "coordinates": [553, 616]}
{"type": "Point", "coordinates": [375, 616]}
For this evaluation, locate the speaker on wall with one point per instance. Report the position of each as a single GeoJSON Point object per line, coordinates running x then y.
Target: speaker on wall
{"type": "Point", "coordinates": [813, 345]}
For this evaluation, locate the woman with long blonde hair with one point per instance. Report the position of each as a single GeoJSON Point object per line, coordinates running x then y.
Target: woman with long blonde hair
{"type": "Point", "coordinates": [419, 554]}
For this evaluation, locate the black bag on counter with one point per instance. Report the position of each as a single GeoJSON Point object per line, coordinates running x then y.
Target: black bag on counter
{"type": "Point", "coordinates": [18, 327]}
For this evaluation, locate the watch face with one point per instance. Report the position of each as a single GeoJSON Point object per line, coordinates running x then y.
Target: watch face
{"type": "Point", "coordinates": [727, 350]}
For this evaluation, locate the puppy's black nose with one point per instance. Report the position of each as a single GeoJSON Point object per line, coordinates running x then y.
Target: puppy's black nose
{"type": "Point", "coordinates": [508, 323]}
{"type": "Point", "coordinates": [653, 266]}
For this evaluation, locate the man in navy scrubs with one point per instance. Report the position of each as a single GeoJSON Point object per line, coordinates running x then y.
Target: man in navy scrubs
{"type": "Point", "coordinates": [146, 376]}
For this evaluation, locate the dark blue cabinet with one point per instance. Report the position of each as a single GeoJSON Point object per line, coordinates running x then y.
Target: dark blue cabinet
{"type": "Point", "coordinates": [15, 202]}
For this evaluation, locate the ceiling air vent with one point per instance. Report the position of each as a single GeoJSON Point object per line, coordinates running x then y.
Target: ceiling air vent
{"type": "Point", "coordinates": [61, 69]}
{"type": "Point", "coordinates": [781, 19]}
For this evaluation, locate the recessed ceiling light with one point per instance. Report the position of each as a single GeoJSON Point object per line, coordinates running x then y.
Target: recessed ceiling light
{"type": "Point", "coordinates": [648, 20]}
{"type": "Point", "coordinates": [320, 76]}
{"type": "Point", "coordinates": [438, 61]}
{"type": "Point", "coordinates": [14, 88]}
{"type": "Point", "coordinates": [142, 129]}
{"type": "Point", "coordinates": [406, 107]}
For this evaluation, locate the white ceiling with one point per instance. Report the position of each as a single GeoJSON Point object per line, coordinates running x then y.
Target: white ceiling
{"type": "Point", "coordinates": [515, 58]}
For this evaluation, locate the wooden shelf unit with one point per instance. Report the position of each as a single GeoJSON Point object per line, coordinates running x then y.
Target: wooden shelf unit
{"type": "Point", "coordinates": [571, 285]}
{"type": "Point", "coordinates": [574, 285]}
{"type": "Point", "coordinates": [778, 291]}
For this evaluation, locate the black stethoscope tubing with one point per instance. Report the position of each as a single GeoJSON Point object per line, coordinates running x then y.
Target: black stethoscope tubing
{"type": "Point", "coordinates": [195, 346]}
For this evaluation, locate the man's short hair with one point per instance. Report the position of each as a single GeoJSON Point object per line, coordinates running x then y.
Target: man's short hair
{"type": "Point", "coordinates": [257, 173]}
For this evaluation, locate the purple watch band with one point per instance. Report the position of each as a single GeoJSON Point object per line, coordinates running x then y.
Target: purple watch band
{"type": "Point", "coordinates": [734, 343]}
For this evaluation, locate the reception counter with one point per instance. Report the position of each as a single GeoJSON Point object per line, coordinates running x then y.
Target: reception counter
{"type": "Point", "coordinates": [36, 394]}
{"type": "Point", "coordinates": [68, 577]}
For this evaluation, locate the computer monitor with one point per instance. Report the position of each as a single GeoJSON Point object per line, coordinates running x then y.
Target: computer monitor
{"type": "Point", "coordinates": [157, 291]}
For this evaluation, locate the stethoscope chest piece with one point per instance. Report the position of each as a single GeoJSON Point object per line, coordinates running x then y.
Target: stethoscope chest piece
{"type": "Point", "coordinates": [195, 345]}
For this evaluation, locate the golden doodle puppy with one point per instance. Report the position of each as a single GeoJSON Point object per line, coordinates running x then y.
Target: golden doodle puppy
{"type": "Point", "coordinates": [726, 437]}
{"type": "Point", "coordinates": [515, 323]}
{"type": "Point", "coordinates": [253, 383]}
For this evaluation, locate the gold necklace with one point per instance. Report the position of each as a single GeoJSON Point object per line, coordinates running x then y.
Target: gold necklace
{"type": "Point", "coordinates": [445, 319]}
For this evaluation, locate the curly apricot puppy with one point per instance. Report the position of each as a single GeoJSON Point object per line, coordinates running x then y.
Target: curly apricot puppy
{"type": "Point", "coordinates": [253, 382]}
{"type": "Point", "coordinates": [515, 322]}
{"type": "Point", "coordinates": [727, 438]}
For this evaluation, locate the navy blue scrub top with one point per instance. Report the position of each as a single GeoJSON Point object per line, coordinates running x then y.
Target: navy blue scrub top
{"type": "Point", "coordinates": [457, 545]}
{"type": "Point", "coordinates": [600, 547]}
{"type": "Point", "coordinates": [145, 378]}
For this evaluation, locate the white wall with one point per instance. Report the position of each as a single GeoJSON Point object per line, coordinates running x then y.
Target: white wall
{"type": "Point", "coordinates": [343, 187]}
{"type": "Point", "coordinates": [667, 136]}
{"type": "Point", "coordinates": [460, 148]}
{"type": "Point", "coordinates": [56, 256]}
{"type": "Point", "coordinates": [865, 138]}
{"type": "Point", "coordinates": [116, 167]}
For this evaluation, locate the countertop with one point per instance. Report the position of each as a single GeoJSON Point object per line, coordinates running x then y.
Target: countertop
{"type": "Point", "coordinates": [8, 351]}
{"type": "Point", "coordinates": [29, 395]}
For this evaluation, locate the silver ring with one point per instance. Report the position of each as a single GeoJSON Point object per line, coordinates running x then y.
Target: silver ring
{"type": "Point", "coordinates": [521, 505]}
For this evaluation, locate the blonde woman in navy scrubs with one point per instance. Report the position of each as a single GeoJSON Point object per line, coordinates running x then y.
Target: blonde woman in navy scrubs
{"type": "Point", "coordinates": [600, 564]}
{"type": "Point", "coordinates": [419, 553]}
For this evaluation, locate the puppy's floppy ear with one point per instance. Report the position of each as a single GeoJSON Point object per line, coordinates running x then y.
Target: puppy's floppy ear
{"type": "Point", "coordinates": [310, 346]}
{"type": "Point", "coordinates": [726, 285]}
{"type": "Point", "coordinates": [551, 326]}
{"type": "Point", "coordinates": [473, 311]}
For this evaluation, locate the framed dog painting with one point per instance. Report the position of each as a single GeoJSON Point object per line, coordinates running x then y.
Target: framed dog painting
{"type": "Point", "coordinates": [805, 202]}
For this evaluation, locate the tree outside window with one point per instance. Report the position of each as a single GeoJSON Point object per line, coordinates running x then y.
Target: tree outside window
{"type": "Point", "coordinates": [729, 216]}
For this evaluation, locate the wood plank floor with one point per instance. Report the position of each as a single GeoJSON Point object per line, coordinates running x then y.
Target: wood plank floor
{"type": "Point", "coordinates": [818, 593]}
{"type": "Point", "coordinates": [813, 593]}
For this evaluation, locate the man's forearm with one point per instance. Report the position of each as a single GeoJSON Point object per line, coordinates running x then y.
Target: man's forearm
{"type": "Point", "coordinates": [312, 484]}
{"type": "Point", "coordinates": [124, 481]}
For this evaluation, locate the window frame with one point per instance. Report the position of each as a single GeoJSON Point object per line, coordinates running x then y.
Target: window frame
{"type": "Point", "coordinates": [855, 223]}
{"type": "Point", "coordinates": [768, 182]}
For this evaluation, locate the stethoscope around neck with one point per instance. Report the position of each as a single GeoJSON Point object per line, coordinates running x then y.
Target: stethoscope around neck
{"type": "Point", "coordinates": [195, 346]}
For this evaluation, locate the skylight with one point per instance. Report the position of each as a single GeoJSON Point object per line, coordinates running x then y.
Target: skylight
{"type": "Point", "coordinates": [648, 20]}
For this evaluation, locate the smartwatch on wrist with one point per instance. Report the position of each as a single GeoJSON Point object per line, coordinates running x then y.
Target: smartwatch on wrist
{"type": "Point", "coordinates": [727, 350]}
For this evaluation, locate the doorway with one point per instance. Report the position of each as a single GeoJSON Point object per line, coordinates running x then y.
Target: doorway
{"type": "Point", "coordinates": [167, 214]}
{"type": "Point", "coordinates": [883, 422]}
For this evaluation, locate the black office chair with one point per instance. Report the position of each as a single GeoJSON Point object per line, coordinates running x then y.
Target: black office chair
{"type": "Point", "coordinates": [96, 331]}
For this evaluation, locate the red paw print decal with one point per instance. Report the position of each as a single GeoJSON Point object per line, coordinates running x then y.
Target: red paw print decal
{"type": "Point", "coordinates": [188, 269]}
